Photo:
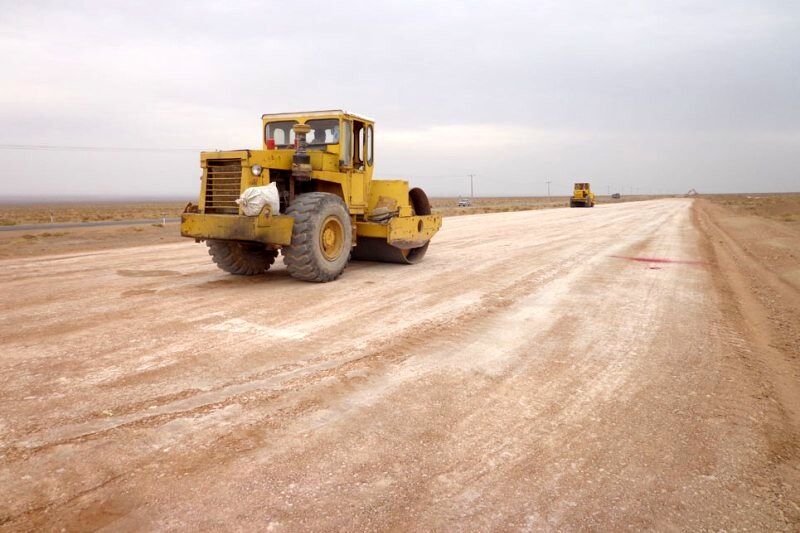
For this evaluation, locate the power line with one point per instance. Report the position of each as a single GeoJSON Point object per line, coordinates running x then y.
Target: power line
{"type": "Point", "coordinates": [415, 176]}
{"type": "Point", "coordinates": [56, 148]}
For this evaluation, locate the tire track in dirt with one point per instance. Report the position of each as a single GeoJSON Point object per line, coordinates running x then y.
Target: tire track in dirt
{"type": "Point", "coordinates": [219, 397]}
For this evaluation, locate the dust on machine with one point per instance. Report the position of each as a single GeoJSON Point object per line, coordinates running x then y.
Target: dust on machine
{"type": "Point", "coordinates": [308, 194]}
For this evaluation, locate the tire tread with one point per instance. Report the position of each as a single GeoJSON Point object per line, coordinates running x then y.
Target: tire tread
{"type": "Point", "coordinates": [239, 258]}
{"type": "Point", "coordinates": [299, 256]}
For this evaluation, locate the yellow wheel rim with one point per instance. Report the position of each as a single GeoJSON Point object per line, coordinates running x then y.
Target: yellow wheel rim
{"type": "Point", "coordinates": [331, 238]}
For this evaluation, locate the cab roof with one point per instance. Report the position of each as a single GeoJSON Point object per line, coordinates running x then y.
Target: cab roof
{"type": "Point", "coordinates": [311, 114]}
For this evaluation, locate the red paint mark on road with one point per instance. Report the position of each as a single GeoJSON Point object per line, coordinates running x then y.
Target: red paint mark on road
{"type": "Point", "coordinates": [659, 260]}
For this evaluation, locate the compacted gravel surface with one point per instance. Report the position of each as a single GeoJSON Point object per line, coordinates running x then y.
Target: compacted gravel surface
{"type": "Point", "coordinates": [558, 369]}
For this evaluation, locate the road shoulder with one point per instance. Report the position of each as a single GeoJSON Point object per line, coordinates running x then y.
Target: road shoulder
{"type": "Point", "coordinates": [750, 259]}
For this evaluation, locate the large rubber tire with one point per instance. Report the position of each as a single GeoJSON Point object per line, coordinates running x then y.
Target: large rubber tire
{"type": "Point", "coordinates": [313, 254]}
{"type": "Point", "coordinates": [241, 258]}
{"type": "Point", "coordinates": [571, 203]}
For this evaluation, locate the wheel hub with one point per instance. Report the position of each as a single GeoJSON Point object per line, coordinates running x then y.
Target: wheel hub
{"type": "Point", "coordinates": [331, 238]}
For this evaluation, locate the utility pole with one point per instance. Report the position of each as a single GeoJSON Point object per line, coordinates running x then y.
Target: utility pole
{"type": "Point", "coordinates": [548, 190]}
{"type": "Point", "coordinates": [608, 190]}
{"type": "Point", "coordinates": [471, 186]}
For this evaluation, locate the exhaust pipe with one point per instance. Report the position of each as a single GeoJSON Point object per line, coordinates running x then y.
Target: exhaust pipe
{"type": "Point", "coordinates": [301, 161]}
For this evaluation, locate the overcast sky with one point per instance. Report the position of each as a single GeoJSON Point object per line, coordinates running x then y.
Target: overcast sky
{"type": "Point", "coordinates": [659, 96]}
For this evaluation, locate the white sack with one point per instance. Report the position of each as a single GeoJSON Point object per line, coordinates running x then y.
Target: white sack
{"type": "Point", "coordinates": [254, 199]}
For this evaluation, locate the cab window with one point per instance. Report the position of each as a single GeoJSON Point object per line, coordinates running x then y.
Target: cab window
{"type": "Point", "coordinates": [281, 132]}
{"type": "Point", "coordinates": [323, 132]}
{"type": "Point", "coordinates": [368, 143]}
{"type": "Point", "coordinates": [346, 154]}
{"type": "Point", "coordinates": [358, 145]}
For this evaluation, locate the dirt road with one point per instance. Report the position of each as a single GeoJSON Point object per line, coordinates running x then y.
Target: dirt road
{"type": "Point", "coordinates": [560, 369]}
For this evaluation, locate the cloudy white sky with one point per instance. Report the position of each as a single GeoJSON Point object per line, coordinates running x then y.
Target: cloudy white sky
{"type": "Point", "coordinates": [655, 96]}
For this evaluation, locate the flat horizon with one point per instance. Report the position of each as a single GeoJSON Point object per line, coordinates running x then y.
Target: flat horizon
{"type": "Point", "coordinates": [33, 199]}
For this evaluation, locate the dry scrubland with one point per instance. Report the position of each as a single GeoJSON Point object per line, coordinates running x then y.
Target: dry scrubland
{"type": "Point", "coordinates": [18, 214]}
{"type": "Point", "coordinates": [31, 243]}
{"type": "Point", "coordinates": [781, 207]}
{"type": "Point", "coordinates": [766, 227]}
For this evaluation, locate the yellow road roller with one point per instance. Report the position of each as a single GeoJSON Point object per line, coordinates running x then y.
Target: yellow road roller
{"type": "Point", "coordinates": [308, 194]}
{"type": "Point", "coordinates": [582, 196]}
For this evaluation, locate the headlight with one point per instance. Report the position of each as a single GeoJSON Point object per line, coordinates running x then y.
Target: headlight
{"type": "Point", "coordinates": [256, 170]}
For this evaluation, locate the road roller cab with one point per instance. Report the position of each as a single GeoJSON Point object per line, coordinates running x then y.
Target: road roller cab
{"type": "Point", "coordinates": [309, 194]}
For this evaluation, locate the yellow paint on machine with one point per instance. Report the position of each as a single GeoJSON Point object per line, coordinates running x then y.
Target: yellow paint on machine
{"type": "Point", "coordinates": [403, 232]}
{"type": "Point", "coordinates": [275, 229]}
{"type": "Point", "coordinates": [582, 196]}
{"type": "Point", "coordinates": [309, 157]}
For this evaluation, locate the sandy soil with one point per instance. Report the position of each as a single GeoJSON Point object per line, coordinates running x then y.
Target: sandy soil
{"type": "Point", "coordinates": [559, 369]}
{"type": "Point", "coordinates": [34, 243]}
{"type": "Point", "coordinates": [781, 207]}
{"type": "Point", "coordinates": [77, 211]}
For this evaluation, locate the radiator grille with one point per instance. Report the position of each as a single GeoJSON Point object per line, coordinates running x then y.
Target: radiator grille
{"type": "Point", "coordinates": [223, 186]}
